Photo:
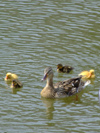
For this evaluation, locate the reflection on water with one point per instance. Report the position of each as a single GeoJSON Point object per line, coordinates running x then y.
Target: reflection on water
{"type": "Point", "coordinates": [49, 104]}
{"type": "Point", "coordinates": [15, 90]}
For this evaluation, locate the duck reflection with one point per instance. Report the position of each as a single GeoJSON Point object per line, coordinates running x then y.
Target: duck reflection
{"type": "Point", "coordinates": [72, 99]}
{"type": "Point", "coordinates": [49, 103]}
{"type": "Point", "coordinates": [15, 90]}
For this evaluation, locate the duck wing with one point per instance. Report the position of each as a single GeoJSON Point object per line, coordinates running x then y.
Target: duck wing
{"type": "Point", "coordinates": [67, 69]}
{"type": "Point", "coordinates": [17, 83]}
{"type": "Point", "coordinates": [71, 86]}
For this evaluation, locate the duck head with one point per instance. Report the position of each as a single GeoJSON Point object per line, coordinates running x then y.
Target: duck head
{"type": "Point", "coordinates": [59, 66]}
{"type": "Point", "coordinates": [48, 73]}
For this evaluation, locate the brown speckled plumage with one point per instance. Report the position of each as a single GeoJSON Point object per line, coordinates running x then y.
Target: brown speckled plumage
{"type": "Point", "coordinates": [64, 69]}
{"type": "Point", "coordinates": [16, 84]}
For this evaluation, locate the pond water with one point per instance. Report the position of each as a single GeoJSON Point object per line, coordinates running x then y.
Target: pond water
{"type": "Point", "coordinates": [37, 34]}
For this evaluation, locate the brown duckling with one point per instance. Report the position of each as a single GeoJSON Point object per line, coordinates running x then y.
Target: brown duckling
{"type": "Point", "coordinates": [64, 69]}
{"type": "Point", "coordinates": [61, 89]}
{"type": "Point", "coordinates": [16, 84]}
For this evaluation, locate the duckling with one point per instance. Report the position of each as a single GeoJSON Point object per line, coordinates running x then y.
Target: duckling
{"type": "Point", "coordinates": [61, 89]}
{"type": "Point", "coordinates": [10, 76]}
{"type": "Point", "coordinates": [87, 74]}
{"type": "Point", "coordinates": [64, 69]}
{"type": "Point", "coordinates": [16, 84]}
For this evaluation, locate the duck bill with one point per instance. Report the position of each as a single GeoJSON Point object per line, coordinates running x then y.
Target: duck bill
{"type": "Point", "coordinates": [7, 77]}
{"type": "Point", "coordinates": [44, 78]}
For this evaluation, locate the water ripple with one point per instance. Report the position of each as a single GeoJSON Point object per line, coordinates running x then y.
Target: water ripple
{"type": "Point", "coordinates": [43, 33]}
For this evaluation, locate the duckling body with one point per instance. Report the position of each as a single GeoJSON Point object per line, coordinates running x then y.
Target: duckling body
{"type": "Point", "coordinates": [16, 84]}
{"type": "Point", "coordinates": [64, 69]}
{"type": "Point", "coordinates": [88, 74]}
{"type": "Point", "coordinates": [61, 89]}
{"type": "Point", "coordinates": [10, 77]}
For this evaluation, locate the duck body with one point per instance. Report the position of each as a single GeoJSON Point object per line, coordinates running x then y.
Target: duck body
{"type": "Point", "coordinates": [16, 84]}
{"type": "Point", "coordinates": [87, 74]}
{"type": "Point", "coordinates": [64, 69]}
{"type": "Point", "coordinates": [61, 89]}
{"type": "Point", "coordinates": [10, 77]}
{"type": "Point", "coordinates": [69, 87]}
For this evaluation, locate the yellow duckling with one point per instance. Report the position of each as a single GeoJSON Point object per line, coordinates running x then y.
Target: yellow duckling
{"type": "Point", "coordinates": [16, 84]}
{"type": "Point", "coordinates": [61, 89]}
{"type": "Point", "coordinates": [64, 69]}
{"type": "Point", "coordinates": [88, 74]}
{"type": "Point", "coordinates": [10, 77]}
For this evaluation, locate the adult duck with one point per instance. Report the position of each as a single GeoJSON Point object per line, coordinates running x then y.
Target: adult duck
{"type": "Point", "coordinates": [64, 69]}
{"type": "Point", "coordinates": [61, 89]}
{"type": "Point", "coordinates": [87, 74]}
{"type": "Point", "coordinates": [10, 77]}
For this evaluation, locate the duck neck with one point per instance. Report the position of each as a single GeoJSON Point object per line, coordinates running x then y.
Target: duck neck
{"type": "Point", "coordinates": [50, 82]}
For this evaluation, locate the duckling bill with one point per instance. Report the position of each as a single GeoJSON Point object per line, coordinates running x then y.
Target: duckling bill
{"type": "Point", "coordinates": [16, 84]}
{"type": "Point", "coordinates": [61, 89]}
{"type": "Point", "coordinates": [64, 69]}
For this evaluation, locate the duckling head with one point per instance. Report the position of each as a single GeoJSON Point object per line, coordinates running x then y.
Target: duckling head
{"type": "Point", "coordinates": [92, 73]}
{"type": "Point", "coordinates": [8, 76]}
{"type": "Point", "coordinates": [59, 66]}
{"type": "Point", "coordinates": [48, 73]}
